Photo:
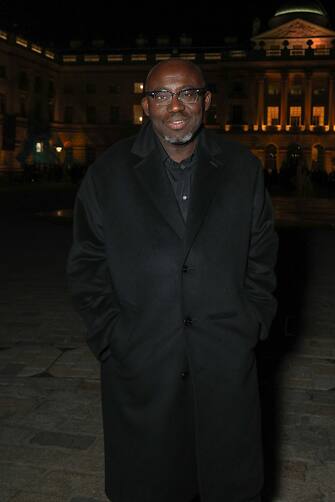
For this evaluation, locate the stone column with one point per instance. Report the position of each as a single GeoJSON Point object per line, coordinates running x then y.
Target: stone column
{"type": "Point", "coordinates": [260, 101]}
{"type": "Point", "coordinates": [283, 101]}
{"type": "Point", "coordinates": [308, 100]}
{"type": "Point", "coordinates": [331, 102]}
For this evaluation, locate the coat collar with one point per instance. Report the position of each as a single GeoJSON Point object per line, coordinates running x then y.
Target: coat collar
{"type": "Point", "coordinates": [156, 183]}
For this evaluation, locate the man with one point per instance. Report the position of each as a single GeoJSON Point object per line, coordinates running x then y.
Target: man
{"type": "Point", "coordinates": [171, 270]}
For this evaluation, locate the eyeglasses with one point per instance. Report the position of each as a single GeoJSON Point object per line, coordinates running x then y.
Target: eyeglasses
{"type": "Point", "coordinates": [187, 96]}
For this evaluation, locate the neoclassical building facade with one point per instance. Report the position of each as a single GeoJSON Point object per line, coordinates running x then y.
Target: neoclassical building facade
{"type": "Point", "coordinates": [275, 94]}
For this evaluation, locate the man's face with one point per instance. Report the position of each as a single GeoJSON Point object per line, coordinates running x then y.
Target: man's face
{"type": "Point", "coordinates": [176, 122]}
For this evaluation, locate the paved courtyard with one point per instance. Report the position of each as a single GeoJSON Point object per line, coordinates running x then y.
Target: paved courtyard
{"type": "Point", "coordinates": [51, 447]}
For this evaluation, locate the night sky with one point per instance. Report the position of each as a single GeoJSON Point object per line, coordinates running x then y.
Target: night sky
{"type": "Point", "coordinates": [57, 22]}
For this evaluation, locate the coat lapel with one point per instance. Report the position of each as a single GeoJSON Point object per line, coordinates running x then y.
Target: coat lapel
{"type": "Point", "coordinates": [204, 187]}
{"type": "Point", "coordinates": [153, 178]}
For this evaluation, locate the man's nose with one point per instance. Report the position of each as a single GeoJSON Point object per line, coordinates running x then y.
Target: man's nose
{"type": "Point", "coordinates": [175, 104]}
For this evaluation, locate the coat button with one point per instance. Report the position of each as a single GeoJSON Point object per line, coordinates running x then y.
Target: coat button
{"type": "Point", "coordinates": [188, 321]}
{"type": "Point", "coordinates": [185, 268]}
{"type": "Point", "coordinates": [184, 374]}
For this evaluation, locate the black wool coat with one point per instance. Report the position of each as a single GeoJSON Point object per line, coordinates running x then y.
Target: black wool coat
{"type": "Point", "coordinates": [174, 311]}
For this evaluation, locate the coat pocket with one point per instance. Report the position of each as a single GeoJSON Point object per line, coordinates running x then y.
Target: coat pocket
{"type": "Point", "coordinates": [121, 335]}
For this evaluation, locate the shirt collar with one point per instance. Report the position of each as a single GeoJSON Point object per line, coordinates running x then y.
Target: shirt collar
{"type": "Point", "coordinates": [172, 164]}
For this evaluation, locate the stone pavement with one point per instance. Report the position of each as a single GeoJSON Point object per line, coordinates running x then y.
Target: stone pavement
{"type": "Point", "coordinates": [51, 445]}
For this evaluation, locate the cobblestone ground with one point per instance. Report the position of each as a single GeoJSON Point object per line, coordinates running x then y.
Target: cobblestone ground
{"type": "Point", "coordinates": [51, 447]}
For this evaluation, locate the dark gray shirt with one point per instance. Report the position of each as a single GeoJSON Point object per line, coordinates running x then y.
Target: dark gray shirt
{"type": "Point", "coordinates": [180, 175]}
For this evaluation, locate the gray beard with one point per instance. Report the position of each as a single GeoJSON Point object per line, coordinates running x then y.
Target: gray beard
{"type": "Point", "coordinates": [179, 141]}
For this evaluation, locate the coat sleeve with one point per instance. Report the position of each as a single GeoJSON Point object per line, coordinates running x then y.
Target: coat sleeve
{"type": "Point", "coordinates": [89, 280]}
{"type": "Point", "coordinates": [260, 280]}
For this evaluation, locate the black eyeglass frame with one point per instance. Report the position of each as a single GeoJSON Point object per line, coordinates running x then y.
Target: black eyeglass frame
{"type": "Point", "coordinates": [200, 92]}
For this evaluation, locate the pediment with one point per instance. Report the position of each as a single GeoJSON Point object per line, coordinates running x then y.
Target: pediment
{"type": "Point", "coordinates": [297, 28]}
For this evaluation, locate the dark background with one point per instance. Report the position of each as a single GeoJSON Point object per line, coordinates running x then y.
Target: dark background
{"type": "Point", "coordinates": [119, 23]}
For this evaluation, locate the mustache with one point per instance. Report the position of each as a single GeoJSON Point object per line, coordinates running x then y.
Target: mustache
{"type": "Point", "coordinates": [177, 116]}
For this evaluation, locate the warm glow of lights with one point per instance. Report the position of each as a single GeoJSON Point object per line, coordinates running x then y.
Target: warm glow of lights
{"type": "Point", "coordinates": [162, 57]}
{"type": "Point", "coordinates": [21, 41]}
{"type": "Point", "coordinates": [114, 58]}
{"type": "Point", "coordinates": [318, 115]}
{"type": "Point", "coordinates": [138, 87]}
{"type": "Point", "coordinates": [255, 127]}
{"type": "Point", "coordinates": [297, 10]}
{"type": "Point", "coordinates": [39, 147]}
{"type": "Point", "coordinates": [237, 54]}
{"type": "Point", "coordinates": [3, 35]}
{"type": "Point", "coordinates": [212, 56]}
{"type": "Point", "coordinates": [69, 59]}
{"type": "Point", "coordinates": [227, 127]}
{"type": "Point", "coordinates": [36, 48]}
{"type": "Point", "coordinates": [59, 149]}
{"type": "Point", "coordinates": [295, 116]}
{"type": "Point", "coordinates": [287, 127]}
{"type": "Point", "coordinates": [91, 58]}
{"type": "Point", "coordinates": [49, 54]}
{"type": "Point", "coordinates": [245, 127]}
{"type": "Point", "coordinates": [263, 127]}
{"type": "Point", "coordinates": [326, 127]}
{"type": "Point", "coordinates": [138, 57]}
{"type": "Point", "coordinates": [137, 114]}
{"type": "Point", "coordinates": [272, 115]}
{"type": "Point", "coordinates": [187, 55]}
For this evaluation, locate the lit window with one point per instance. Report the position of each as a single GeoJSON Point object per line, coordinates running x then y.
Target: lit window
{"type": "Point", "coordinates": [21, 41]}
{"type": "Point", "coordinates": [318, 116]}
{"type": "Point", "coordinates": [137, 114]}
{"type": "Point", "coordinates": [49, 54]}
{"type": "Point", "coordinates": [39, 147]}
{"type": "Point", "coordinates": [187, 55]}
{"type": "Point", "coordinates": [69, 59]}
{"type": "Point", "coordinates": [91, 58]}
{"type": "Point", "coordinates": [273, 115]}
{"type": "Point", "coordinates": [212, 56]}
{"type": "Point", "coordinates": [114, 58]}
{"type": "Point", "coordinates": [36, 48]}
{"type": "Point", "coordinates": [138, 57]}
{"type": "Point", "coordinates": [138, 87]}
{"type": "Point", "coordinates": [162, 56]}
{"type": "Point", "coordinates": [295, 116]}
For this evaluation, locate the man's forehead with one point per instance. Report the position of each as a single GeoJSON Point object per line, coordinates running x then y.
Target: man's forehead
{"type": "Point", "coordinates": [174, 74]}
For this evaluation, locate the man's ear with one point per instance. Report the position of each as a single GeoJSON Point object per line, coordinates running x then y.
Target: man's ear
{"type": "Point", "coordinates": [207, 100]}
{"type": "Point", "coordinates": [145, 105]}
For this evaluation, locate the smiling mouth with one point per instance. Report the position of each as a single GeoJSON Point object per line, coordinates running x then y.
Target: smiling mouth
{"type": "Point", "coordinates": [176, 124]}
